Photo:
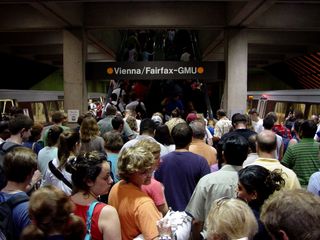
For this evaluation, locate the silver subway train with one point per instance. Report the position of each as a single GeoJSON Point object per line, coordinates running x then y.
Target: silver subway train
{"type": "Point", "coordinates": [37, 104]}
{"type": "Point", "coordinates": [283, 101]}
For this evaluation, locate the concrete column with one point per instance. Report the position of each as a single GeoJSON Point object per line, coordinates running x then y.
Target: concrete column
{"type": "Point", "coordinates": [236, 58]}
{"type": "Point", "coordinates": [74, 59]}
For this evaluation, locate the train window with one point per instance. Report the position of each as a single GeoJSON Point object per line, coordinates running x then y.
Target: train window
{"type": "Point", "coordinates": [280, 109]}
{"type": "Point", "coordinates": [255, 103]}
{"type": "Point", "coordinates": [261, 108]}
{"type": "Point", "coordinates": [5, 106]}
{"type": "Point", "coordinates": [52, 106]}
{"type": "Point", "coordinates": [299, 106]}
{"type": "Point", "coordinates": [38, 111]}
{"type": "Point", "coordinates": [60, 105]}
{"type": "Point", "coordinates": [270, 107]}
{"type": "Point", "coordinates": [252, 103]}
{"type": "Point", "coordinates": [314, 109]}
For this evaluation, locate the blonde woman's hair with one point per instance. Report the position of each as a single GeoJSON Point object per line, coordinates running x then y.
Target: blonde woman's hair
{"type": "Point", "coordinates": [149, 145]}
{"type": "Point", "coordinates": [51, 210]}
{"type": "Point", "coordinates": [230, 219]}
{"type": "Point", "coordinates": [134, 159]}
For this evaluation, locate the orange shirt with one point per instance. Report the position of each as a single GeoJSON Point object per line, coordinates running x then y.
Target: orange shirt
{"type": "Point", "coordinates": [137, 211]}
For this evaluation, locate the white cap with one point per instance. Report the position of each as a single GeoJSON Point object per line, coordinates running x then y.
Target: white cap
{"type": "Point", "coordinates": [157, 119]}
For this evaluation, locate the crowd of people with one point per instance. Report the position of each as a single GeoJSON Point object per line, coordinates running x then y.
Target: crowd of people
{"type": "Point", "coordinates": [125, 177]}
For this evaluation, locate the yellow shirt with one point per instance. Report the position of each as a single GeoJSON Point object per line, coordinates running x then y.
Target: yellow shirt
{"type": "Point", "coordinates": [292, 181]}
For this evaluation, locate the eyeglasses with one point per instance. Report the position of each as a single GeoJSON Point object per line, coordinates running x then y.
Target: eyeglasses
{"type": "Point", "coordinates": [147, 172]}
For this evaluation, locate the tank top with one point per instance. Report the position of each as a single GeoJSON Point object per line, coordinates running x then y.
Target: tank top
{"type": "Point", "coordinates": [81, 211]}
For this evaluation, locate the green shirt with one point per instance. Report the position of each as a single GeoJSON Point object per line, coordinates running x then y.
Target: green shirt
{"type": "Point", "coordinates": [46, 130]}
{"type": "Point", "coordinates": [303, 159]}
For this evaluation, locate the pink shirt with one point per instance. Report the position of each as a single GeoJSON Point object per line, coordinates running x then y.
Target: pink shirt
{"type": "Point", "coordinates": [155, 191]}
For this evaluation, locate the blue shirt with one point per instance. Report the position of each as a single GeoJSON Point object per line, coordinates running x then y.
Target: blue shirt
{"type": "Point", "coordinates": [113, 158]}
{"type": "Point", "coordinates": [36, 147]}
{"type": "Point", "coordinates": [314, 183]}
{"type": "Point", "coordinates": [20, 213]}
{"type": "Point", "coordinates": [180, 172]}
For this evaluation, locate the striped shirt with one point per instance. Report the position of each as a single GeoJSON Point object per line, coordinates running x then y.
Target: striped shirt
{"type": "Point", "coordinates": [303, 159]}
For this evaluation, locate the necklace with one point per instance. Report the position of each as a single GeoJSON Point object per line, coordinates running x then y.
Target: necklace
{"type": "Point", "coordinates": [86, 195]}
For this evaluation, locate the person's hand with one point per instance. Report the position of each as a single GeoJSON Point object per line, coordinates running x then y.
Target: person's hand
{"type": "Point", "coordinates": [36, 177]}
{"type": "Point", "coordinates": [35, 182]}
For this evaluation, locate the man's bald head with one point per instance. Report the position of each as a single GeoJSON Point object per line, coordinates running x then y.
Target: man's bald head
{"type": "Point", "coordinates": [267, 141]}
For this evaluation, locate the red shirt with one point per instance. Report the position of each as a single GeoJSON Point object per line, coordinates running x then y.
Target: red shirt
{"type": "Point", "coordinates": [282, 131]}
{"type": "Point", "coordinates": [81, 211]}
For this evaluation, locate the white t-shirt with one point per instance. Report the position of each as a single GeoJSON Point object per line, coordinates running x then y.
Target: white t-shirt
{"type": "Point", "coordinates": [50, 178]}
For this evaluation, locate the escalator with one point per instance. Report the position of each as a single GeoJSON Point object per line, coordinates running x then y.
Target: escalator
{"type": "Point", "coordinates": [165, 45]}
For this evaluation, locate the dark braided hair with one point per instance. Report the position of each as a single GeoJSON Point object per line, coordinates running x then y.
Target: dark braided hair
{"type": "Point", "coordinates": [86, 166]}
{"type": "Point", "coordinates": [258, 179]}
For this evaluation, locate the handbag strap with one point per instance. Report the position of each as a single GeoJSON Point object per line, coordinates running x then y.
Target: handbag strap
{"type": "Point", "coordinates": [59, 175]}
{"type": "Point", "coordinates": [88, 221]}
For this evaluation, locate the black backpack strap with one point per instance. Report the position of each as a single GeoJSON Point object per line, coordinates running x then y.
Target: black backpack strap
{"type": "Point", "coordinates": [16, 200]}
{"type": "Point", "coordinates": [58, 174]}
{"type": "Point", "coordinates": [118, 100]}
{"type": "Point", "coordinates": [8, 146]}
{"type": "Point", "coordinates": [120, 93]}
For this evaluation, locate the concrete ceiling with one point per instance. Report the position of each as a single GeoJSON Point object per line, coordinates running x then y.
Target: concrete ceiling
{"type": "Point", "coordinates": [277, 30]}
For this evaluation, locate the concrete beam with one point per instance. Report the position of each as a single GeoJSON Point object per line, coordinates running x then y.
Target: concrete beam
{"type": "Point", "coordinates": [293, 43]}
{"type": "Point", "coordinates": [282, 37]}
{"type": "Point", "coordinates": [22, 17]}
{"type": "Point", "coordinates": [65, 14]}
{"type": "Point", "coordinates": [110, 39]}
{"type": "Point", "coordinates": [276, 49]}
{"type": "Point", "coordinates": [108, 1]}
{"type": "Point", "coordinates": [252, 57]}
{"type": "Point", "coordinates": [46, 51]}
{"type": "Point", "coordinates": [284, 16]}
{"type": "Point", "coordinates": [30, 38]}
{"type": "Point", "coordinates": [269, 57]}
{"type": "Point", "coordinates": [155, 15]}
{"type": "Point", "coordinates": [101, 46]}
{"type": "Point", "coordinates": [248, 12]}
{"type": "Point", "coordinates": [36, 49]}
{"type": "Point", "coordinates": [218, 43]}
{"type": "Point", "coordinates": [96, 57]}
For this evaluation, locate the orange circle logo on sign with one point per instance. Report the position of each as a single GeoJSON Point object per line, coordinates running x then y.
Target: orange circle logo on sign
{"type": "Point", "coordinates": [200, 70]}
{"type": "Point", "coordinates": [109, 70]}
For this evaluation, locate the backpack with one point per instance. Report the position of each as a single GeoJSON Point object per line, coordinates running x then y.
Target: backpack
{"type": "Point", "coordinates": [285, 134]}
{"type": "Point", "coordinates": [141, 113]}
{"type": "Point", "coordinates": [6, 218]}
{"type": "Point", "coordinates": [6, 147]}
